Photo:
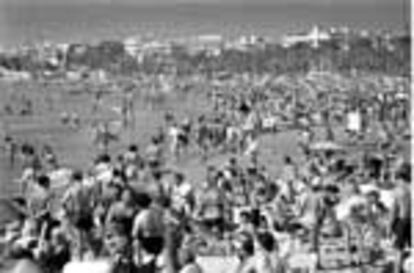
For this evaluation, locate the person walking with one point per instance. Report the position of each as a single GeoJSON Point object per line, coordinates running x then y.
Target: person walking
{"type": "Point", "coordinates": [77, 207]}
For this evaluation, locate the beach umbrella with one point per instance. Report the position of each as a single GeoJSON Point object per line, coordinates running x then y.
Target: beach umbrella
{"type": "Point", "coordinates": [326, 146]}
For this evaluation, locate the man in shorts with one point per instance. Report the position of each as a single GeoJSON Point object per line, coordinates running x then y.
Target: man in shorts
{"type": "Point", "coordinates": [148, 231]}
{"type": "Point", "coordinates": [77, 206]}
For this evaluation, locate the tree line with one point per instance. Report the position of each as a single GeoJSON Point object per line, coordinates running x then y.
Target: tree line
{"type": "Point", "coordinates": [362, 54]}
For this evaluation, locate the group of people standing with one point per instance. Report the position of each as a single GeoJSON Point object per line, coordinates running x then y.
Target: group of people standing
{"type": "Point", "coordinates": [136, 213]}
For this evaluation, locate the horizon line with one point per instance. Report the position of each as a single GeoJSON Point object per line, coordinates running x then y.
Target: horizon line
{"type": "Point", "coordinates": [266, 3]}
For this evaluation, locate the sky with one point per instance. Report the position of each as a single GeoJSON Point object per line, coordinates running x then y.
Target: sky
{"type": "Point", "coordinates": [164, 2]}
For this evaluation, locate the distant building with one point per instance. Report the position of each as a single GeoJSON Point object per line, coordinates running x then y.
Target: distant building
{"type": "Point", "coordinates": [156, 47]}
{"type": "Point", "coordinates": [210, 39]}
{"type": "Point", "coordinates": [132, 46]}
{"type": "Point", "coordinates": [314, 38]}
{"type": "Point", "coordinates": [77, 49]}
{"type": "Point", "coordinates": [245, 43]}
{"type": "Point", "coordinates": [211, 44]}
{"type": "Point", "coordinates": [341, 36]}
{"type": "Point", "coordinates": [251, 40]}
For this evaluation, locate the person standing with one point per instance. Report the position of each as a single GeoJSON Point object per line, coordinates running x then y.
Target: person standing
{"type": "Point", "coordinates": [154, 154]}
{"type": "Point", "coordinates": [311, 213]}
{"type": "Point", "coordinates": [148, 231]}
{"type": "Point", "coordinates": [182, 195]}
{"type": "Point", "coordinates": [39, 200]}
{"type": "Point", "coordinates": [123, 211]}
{"type": "Point", "coordinates": [77, 206]}
{"type": "Point", "coordinates": [11, 147]}
{"type": "Point", "coordinates": [212, 204]}
{"type": "Point", "coordinates": [400, 216]}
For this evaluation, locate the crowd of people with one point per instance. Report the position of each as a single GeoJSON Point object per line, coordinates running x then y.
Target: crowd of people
{"type": "Point", "coordinates": [138, 214]}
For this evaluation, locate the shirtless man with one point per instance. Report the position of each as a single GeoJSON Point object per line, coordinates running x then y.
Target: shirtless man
{"type": "Point", "coordinates": [400, 218]}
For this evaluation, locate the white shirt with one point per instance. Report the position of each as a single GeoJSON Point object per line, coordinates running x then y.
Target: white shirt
{"type": "Point", "coordinates": [60, 177]}
{"type": "Point", "coordinates": [181, 193]}
{"type": "Point", "coordinates": [174, 132]}
{"type": "Point", "coordinates": [354, 121]}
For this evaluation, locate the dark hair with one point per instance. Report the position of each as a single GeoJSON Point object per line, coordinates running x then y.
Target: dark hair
{"type": "Point", "coordinates": [245, 213]}
{"type": "Point", "coordinates": [43, 181]}
{"type": "Point", "coordinates": [21, 253]}
{"type": "Point", "coordinates": [77, 176]}
{"type": "Point", "coordinates": [154, 140]}
{"type": "Point", "coordinates": [104, 158]}
{"type": "Point", "coordinates": [227, 186]}
{"type": "Point", "coordinates": [287, 160]}
{"type": "Point", "coordinates": [272, 187]}
{"type": "Point", "coordinates": [219, 174]}
{"type": "Point", "coordinates": [374, 194]}
{"type": "Point", "coordinates": [248, 246]}
{"type": "Point", "coordinates": [117, 173]}
{"type": "Point", "coordinates": [404, 173]}
{"type": "Point", "coordinates": [179, 176]}
{"type": "Point", "coordinates": [317, 188]}
{"type": "Point", "coordinates": [157, 174]}
{"type": "Point", "coordinates": [27, 148]}
{"type": "Point", "coordinates": [133, 148]}
{"type": "Point", "coordinates": [267, 241]}
{"type": "Point", "coordinates": [143, 200]}
{"type": "Point", "coordinates": [252, 170]}
{"type": "Point", "coordinates": [332, 189]}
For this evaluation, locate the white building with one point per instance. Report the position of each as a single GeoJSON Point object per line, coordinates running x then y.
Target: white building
{"type": "Point", "coordinates": [156, 47]}
{"type": "Point", "coordinates": [210, 39]}
{"type": "Point", "coordinates": [246, 43]}
{"type": "Point", "coordinates": [314, 38]}
{"type": "Point", "coordinates": [132, 46]}
{"type": "Point", "coordinates": [212, 44]}
{"type": "Point", "coordinates": [251, 40]}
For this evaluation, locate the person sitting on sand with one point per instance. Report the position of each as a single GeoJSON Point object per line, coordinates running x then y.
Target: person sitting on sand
{"type": "Point", "coordinates": [54, 253]}
{"type": "Point", "coordinates": [244, 245]}
{"type": "Point", "coordinates": [188, 262]}
{"type": "Point", "coordinates": [26, 262]}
